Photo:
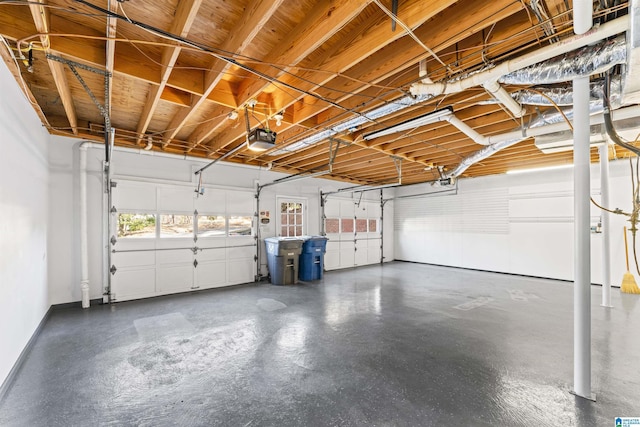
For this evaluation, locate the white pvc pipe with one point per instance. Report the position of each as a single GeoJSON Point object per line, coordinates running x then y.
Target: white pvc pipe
{"type": "Point", "coordinates": [500, 94]}
{"type": "Point", "coordinates": [596, 34]}
{"type": "Point", "coordinates": [596, 119]}
{"type": "Point", "coordinates": [582, 240]}
{"type": "Point", "coordinates": [84, 255]}
{"type": "Point", "coordinates": [582, 16]}
{"type": "Point", "coordinates": [603, 151]}
{"type": "Point", "coordinates": [466, 129]}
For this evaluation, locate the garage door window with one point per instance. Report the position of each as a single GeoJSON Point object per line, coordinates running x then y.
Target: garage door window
{"type": "Point", "coordinates": [175, 225]}
{"type": "Point", "coordinates": [240, 225]}
{"type": "Point", "coordinates": [136, 226]}
{"type": "Point", "coordinates": [212, 226]}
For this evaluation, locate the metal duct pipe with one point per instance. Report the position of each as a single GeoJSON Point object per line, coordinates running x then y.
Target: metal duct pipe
{"type": "Point", "coordinates": [583, 62]}
{"type": "Point", "coordinates": [596, 34]}
{"type": "Point", "coordinates": [506, 140]}
{"type": "Point", "coordinates": [562, 96]}
{"type": "Point", "coordinates": [500, 94]}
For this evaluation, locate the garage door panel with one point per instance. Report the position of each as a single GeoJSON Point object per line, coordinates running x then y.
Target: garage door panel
{"type": "Point", "coordinates": [131, 284]}
{"type": "Point", "coordinates": [175, 279]}
{"type": "Point", "coordinates": [241, 252]}
{"type": "Point", "coordinates": [212, 200]}
{"type": "Point", "coordinates": [360, 255]}
{"type": "Point", "coordinates": [176, 256]}
{"type": "Point", "coordinates": [217, 254]}
{"type": "Point", "coordinates": [241, 271]}
{"type": "Point", "coordinates": [176, 200]}
{"type": "Point", "coordinates": [133, 259]}
{"type": "Point", "coordinates": [135, 197]}
{"type": "Point", "coordinates": [211, 274]}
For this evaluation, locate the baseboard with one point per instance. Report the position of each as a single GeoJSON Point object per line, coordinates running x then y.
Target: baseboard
{"type": "Point", "coordinates": [8, 382]}
{"type": "Point", "coordinates": [496, 272]}
{"type": "Point", "coordinates": [76, 304]}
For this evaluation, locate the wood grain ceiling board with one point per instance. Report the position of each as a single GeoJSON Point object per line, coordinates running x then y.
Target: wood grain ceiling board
{"type": "Point", "coordinates": [331, 61]}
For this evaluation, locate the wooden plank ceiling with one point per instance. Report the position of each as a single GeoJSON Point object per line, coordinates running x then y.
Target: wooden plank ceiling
{"type": "Point", "coordinates": [317, 63]}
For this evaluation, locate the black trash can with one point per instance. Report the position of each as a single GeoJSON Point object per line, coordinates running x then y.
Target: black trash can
{"type": "Point", "coordinates": [282, 259]}
{"type": "Point", "coordinates": [312, 258]}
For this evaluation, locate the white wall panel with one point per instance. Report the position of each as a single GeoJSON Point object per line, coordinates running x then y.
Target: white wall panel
{"type": "Point", "coordinates": [26, 227]}
{"type": "Point", "coordinates": [513, 224]}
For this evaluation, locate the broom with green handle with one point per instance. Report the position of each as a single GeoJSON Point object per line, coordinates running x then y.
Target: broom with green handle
{"type": "Point", "coordinates": [629, 285]}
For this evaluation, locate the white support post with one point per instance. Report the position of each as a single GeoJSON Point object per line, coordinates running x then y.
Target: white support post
{"type": "Point", "coordinates": [582, 241]}
{"type": "Point", "coordinates": [603, 152]}
{"type": "Point", "coordinates": [84, 279]}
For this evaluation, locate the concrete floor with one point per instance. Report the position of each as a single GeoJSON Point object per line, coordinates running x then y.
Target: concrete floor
{"type": "Point", "coordinates": [402, 344]}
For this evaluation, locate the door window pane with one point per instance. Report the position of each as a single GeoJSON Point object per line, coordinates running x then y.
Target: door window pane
{"type": "Point", "coordinates": [347, 225]}
{"type": "Point", "coordinates": [176, 225]}
{"type": "Point", "coordinates": [373, 225]}
{"type": "Point", "coordinates": [136, 226]}
{"type": "Point", "coordinates": [291, 219]}
{"type": "Point", "coordinates": [240, 225]}
{"type": "Point", "coordinates": [332, 225]}
{"type": "Point", "coordinates": [361, 225]}
{"type": "Point", "coordinates": [212, 225]}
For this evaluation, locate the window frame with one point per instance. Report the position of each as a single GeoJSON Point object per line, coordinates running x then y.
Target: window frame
{"type": "Point", "coordinates": [303, 201]}
{"type": "Point", "coordinates": [116, 222]}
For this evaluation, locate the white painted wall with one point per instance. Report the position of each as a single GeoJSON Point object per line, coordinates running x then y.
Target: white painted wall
{"type": "Point", "coordinates": [138, 165]}
{"type": "Point", "coordinates": [24, 209]}
{"type": "Point", "coordinates": [521, 224]}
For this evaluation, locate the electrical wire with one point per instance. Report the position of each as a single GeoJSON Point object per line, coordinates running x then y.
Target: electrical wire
{"type": "Point", "coordinates": [411, 34]}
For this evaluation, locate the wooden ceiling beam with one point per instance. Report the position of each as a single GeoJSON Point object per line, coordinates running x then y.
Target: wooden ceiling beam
{"type": "Point", "coordinates": [184, 17]}
{"type": "Point", "coordinates": [40, 15]}
{"type": "Point", "coordinates": [479, 15]}
{"type": "Point", "coordinates": [252, 21]}
{"type": "Point", "coordinates": [110, 53]}
{"type": "Point", "coordinates": [441, 33]}
{"type": "Point", "coordinates": [318, 27]}
{"type": "Point", "coordinates": [14, 68]}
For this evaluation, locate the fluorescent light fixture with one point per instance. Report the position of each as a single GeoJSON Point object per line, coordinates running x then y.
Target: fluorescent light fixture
{"type": "Point", "coordinates": [423, 120]}
{"type": "Point", "coordinates": [542, 169]}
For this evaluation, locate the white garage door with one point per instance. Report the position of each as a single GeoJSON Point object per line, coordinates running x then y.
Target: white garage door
{"type": "Point", "coordinates": [165, 240]}
{"type": "Point", "coordinates": [353, 229]}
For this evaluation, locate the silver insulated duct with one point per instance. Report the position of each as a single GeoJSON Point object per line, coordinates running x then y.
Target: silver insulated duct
{"type": "Point", "coordinates": [586, 61]}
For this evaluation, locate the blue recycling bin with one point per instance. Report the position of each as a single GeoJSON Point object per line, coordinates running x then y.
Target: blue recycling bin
{"type": "Point", "coordinates": [312, 258]}
{"type": "Point", "coordinates": [282, 259]}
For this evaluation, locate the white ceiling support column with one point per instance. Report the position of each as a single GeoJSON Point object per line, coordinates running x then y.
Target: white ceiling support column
{"type": "Point", "coordinates": [84, 254]}
{"type": "Point", "coordinates": [582, 241]}
{"type": "Point", "coordinates": [582, 16]}
{"type": "Point", "coordinates": [582, 13]}
{"type": "Point", "coordinates": [603, 151]}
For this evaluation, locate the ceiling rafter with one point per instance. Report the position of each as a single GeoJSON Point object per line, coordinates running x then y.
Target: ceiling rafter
{"type": "Point", "coordinates": [255, 17]}
{"type": "Point", "coordinates": [184, 17]}
{"type": "Point", "coordinates": [319, 26]}
{"type": "Point", "coordinates": [480, 15]}
{"type": "Point", "coordinates": [40, 15]}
